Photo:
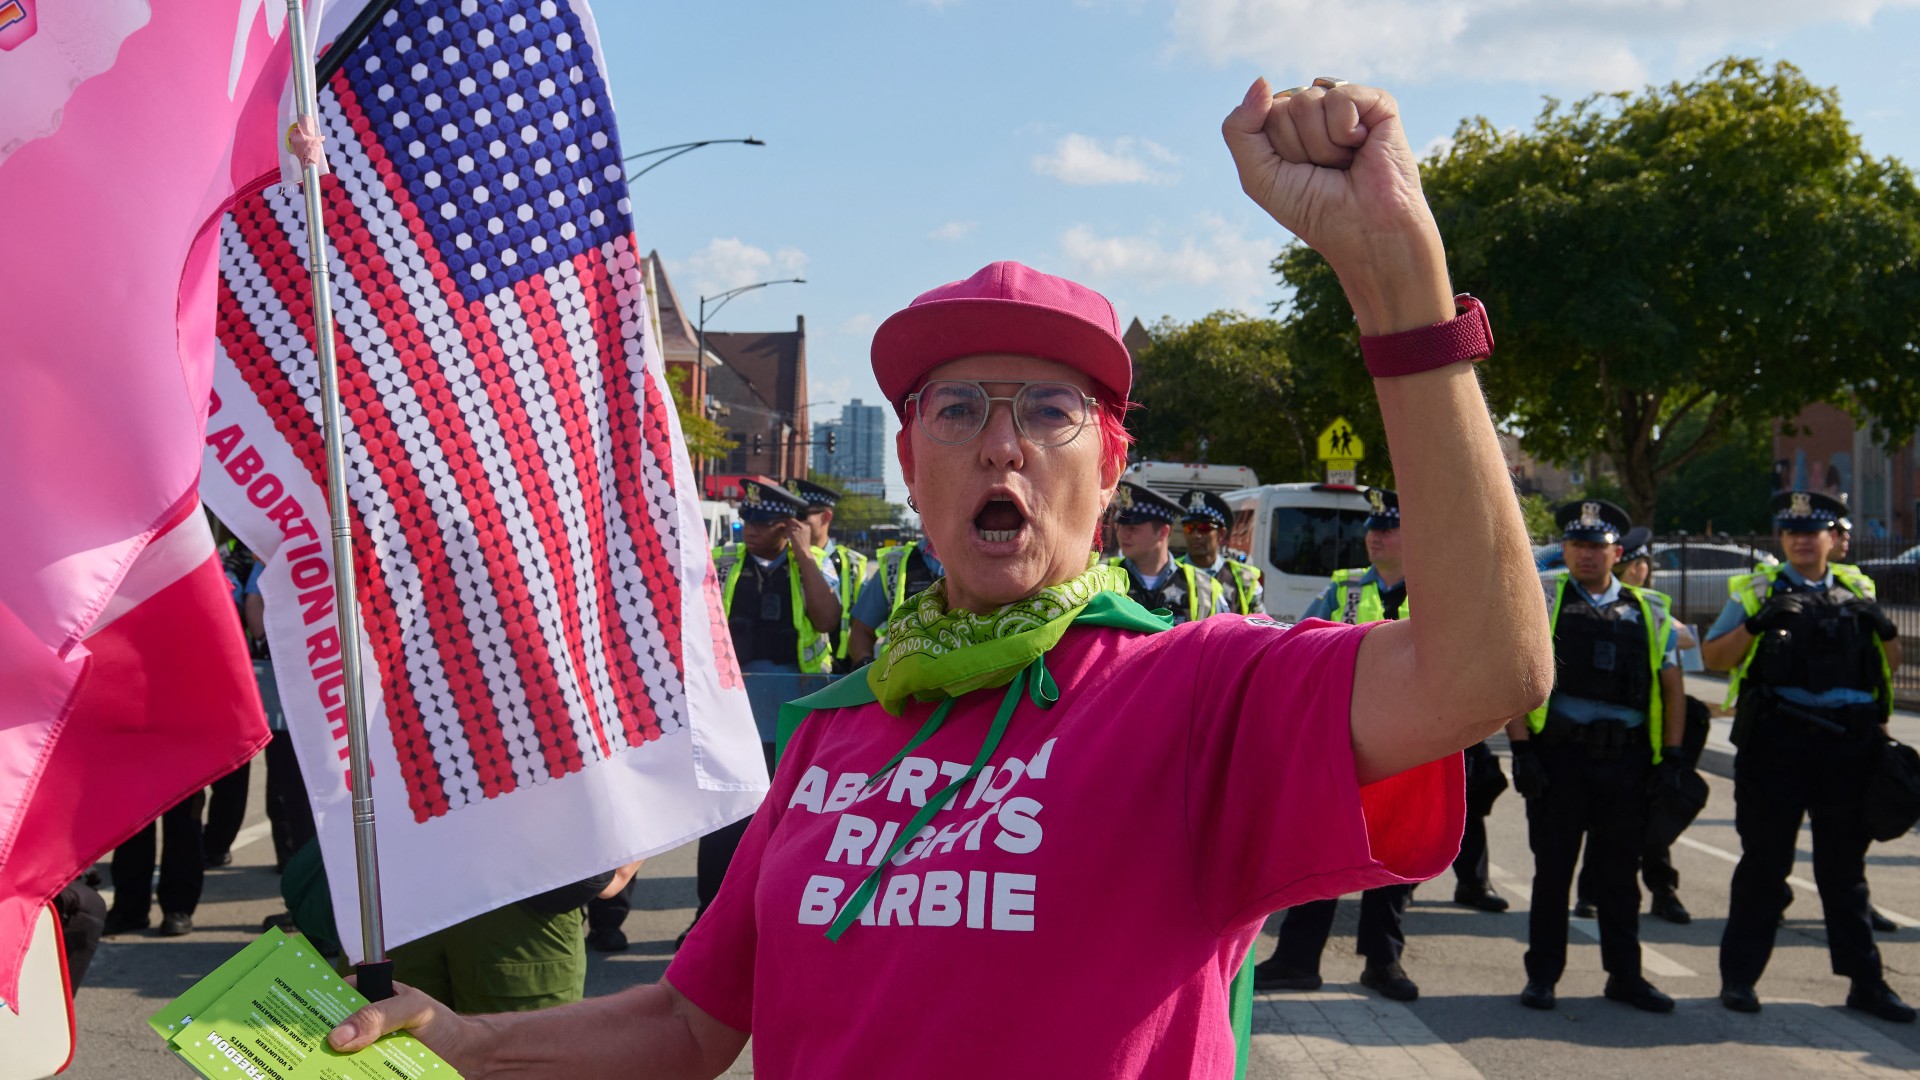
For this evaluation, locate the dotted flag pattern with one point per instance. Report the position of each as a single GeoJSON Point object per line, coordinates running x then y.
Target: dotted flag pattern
{"type": "Point", "coordinates": [509, 454]}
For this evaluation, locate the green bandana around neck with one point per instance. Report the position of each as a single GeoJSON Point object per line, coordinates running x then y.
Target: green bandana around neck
{"type": "Point", "coordinates": [932, 652]}
{"type": "Point", "coordinates": [959, 652]}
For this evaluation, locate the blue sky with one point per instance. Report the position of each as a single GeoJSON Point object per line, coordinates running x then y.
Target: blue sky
{"type": "Point", "coordinates": [911, 142]}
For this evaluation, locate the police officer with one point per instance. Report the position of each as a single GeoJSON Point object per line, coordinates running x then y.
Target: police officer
{"type": "Point", "coordinates": [781, 602]}
{"type": "Point", "coordinates": [1379, 593]}
{"type": "Point", "coordinates": [1635, 568]}
{"type": "Point", "coordinates": [1811, 655]}
{"type": "Point", "coordinates": [1143, 522]}
{"type": "Point", "coordinates": [899, 572]}
{"type": "Point", "coordinates": [847, 564]}
{"type": "Point", "coordinates": [1583, 759]}
{"type": "Point", "coordinates": [1205, 525]}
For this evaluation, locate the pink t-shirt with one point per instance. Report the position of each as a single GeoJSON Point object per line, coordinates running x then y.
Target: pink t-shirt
{"type": "Point", "coordinates": [1082, 905]}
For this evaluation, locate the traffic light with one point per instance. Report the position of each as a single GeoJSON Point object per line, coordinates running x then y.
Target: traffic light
{"type": "Point", "coordinates": [832, 441]}
{"type": "Point", "coordinates": [757, 443]}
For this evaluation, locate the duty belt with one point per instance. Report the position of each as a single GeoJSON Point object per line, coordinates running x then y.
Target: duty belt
{"type": "Point", "coordinates": [1857, 721]}
{"type": "Point", "coordinates": [1603, 740]}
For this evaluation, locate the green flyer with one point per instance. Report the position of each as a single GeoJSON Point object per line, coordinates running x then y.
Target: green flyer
{"type": "Point", "coordinates": [171, 1020]}
{"type": "Point", "coordinates": [266, 1013]}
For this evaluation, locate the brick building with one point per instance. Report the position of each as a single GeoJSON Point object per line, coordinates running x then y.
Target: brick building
{"type": "Point", "coordinates": [760, 387]}
{"type": "Point", "coordinates": [1822, 449]}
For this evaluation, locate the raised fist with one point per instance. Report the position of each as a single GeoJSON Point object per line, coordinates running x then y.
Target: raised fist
{"type": "Point", "coordinates": [1332, 164]}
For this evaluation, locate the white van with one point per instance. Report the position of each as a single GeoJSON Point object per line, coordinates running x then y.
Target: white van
{"type": "Point", "coordinates": [1175, 478]}
{"type": "Point", "coordinates": [1298, 535]}
{"type": "Point", "coordinates": [720, 518]}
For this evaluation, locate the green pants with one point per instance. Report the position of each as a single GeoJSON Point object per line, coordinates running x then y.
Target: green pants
{"type": "Point", "coordinates": [510, 960]}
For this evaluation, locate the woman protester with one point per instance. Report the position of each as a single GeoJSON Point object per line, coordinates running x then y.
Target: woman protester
{"type": "Point", "coordinates": [1039, 835]}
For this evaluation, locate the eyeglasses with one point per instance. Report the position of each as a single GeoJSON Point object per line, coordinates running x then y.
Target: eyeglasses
{"type": "Point", "coordinates": [1046, 414]}
{"type": "Point", "coordinates": [1198, 528]}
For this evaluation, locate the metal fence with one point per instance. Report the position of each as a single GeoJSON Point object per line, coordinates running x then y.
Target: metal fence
{"type": "Point", "coordinates": [1694, 570]}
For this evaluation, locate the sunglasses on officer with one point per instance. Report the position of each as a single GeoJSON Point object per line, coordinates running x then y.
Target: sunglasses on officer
{"type": "Point", "coordinates": [1198, 528]}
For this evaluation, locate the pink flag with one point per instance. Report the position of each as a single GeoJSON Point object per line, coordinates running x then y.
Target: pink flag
{"type": "Point", "coordinates": [126, 130]}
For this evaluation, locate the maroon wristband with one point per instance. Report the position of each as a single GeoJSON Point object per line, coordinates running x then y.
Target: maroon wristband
{"type": "Point", "coordinates": [1466, 336]}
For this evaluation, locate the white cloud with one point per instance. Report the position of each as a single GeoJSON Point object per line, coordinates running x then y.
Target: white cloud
{"type": "Point", "coordinates": [729, 262]}
{"type": "Point", "coordinates": [1588, 44]}
{"type": "Point", "coordinates": [859, 325]}
{"type": "Point", "coordinates": [1216, 255]}
{"type": "Point", "coordinates": [1439, 145]}
{"type": "Point", "coordinates": [953, 230]}
{"type": "Point", "coordinates": [1081, 159]}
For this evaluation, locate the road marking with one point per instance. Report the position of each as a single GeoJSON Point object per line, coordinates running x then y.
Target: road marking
{"type": "Point", "coordinates": [1341, 1032]}
{"type": "Point", "coordinates": [1819, 1037]}
{"type": "Point", "coordinates": [251, 833]}
{"type": "Point", "coordinates": [1652, 959]}
{"type": "Point", "coordinates": [1794, 880]}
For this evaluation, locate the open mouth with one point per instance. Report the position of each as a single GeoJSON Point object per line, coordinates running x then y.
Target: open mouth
{"type": "Point", "coordinates": [1000, 520]}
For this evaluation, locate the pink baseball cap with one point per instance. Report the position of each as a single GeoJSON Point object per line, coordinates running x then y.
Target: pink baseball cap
{"type": "Point", "coordinates": [1004, 308]}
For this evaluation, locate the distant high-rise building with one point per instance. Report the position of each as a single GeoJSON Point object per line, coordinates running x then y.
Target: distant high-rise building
{"type": "Point", "coordinates": [829, 449]}
{"type": "Point", "coordinates": [859, 448]}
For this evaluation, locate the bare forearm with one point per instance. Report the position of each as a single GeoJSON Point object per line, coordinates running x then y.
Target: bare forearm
{"type": "Point", "coordinates": [1673, 700]}
{"type": "Point", "coordinates": [649, 1031]}
{"type": "Point", "coordinates": [860, 645]}
{"type": "Point", "coordinates": [642, 1032]}
{"type": "Point", "coordinates": [1482, 653]}
{"type": "Point", "coordinates": [823, 607]}
{"type": "Point", "coordinates": [1725, 652]}
{"type": "Point", "coordinates": [1895, 654]}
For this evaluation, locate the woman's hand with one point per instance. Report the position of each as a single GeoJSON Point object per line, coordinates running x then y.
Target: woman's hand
{"type": "Point", "coordinates": [1334, 167]}
{"type": "Point", "coordinates": [457, 1039]}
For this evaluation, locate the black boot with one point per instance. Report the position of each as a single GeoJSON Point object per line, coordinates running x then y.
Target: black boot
{"type": "Point", "coordinates": [1272, 975]}
{"type": "Point", "coordinates": [1875, 997]}
{"type": "Point", "coordinates": [1881, 924]}
{"type": "Point", "coordinates": [1485, 900]}
{"type": "Point", "coordinates": [1667, 906]}
{"type": "Point", "coordinates": [1638, 993]}
{"type": "Point", "coordinates": [1537, 995]}
{"type": "Point", "coordinates": [1740, 998]}
{"type": "Point", "coordinates": [1390, 981]}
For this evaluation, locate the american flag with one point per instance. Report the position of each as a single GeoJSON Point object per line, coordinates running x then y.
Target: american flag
{"type": "Point", "coordinates": [509, 454]}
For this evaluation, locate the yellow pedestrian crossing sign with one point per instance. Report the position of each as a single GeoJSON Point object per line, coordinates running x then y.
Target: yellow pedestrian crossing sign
{"type": "Point", "coordinates": [1342, 450]}
{"type": "Point", "coordinates": [1339, 442]}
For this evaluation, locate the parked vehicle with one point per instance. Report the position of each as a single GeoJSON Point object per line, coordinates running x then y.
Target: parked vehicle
{"type": "Point", "coordinates": [721, 519]}
{"type": "Point", "coordinates": [1298, 535]}
{"type": "Point", "coordinates": [1175, 478]}
{"type": "Point", "coordinates": [1702, 571]}
{"type": "Point", "coordinates": [1897, 578]}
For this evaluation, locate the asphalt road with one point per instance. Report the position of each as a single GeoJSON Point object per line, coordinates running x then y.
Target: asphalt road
{"type": "Point", "coordinates": [1467, 1023]}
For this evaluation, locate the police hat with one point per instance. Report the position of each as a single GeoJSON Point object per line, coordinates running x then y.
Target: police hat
{"type": "Point", "coordinates": [1134, 504]}
{"type": "Point", "coordinates": [1592, 519]}
{"type": "Point", "coordinates": [1805, 511]}
{"type": "Point", "coordinates": [1638, 544]}
{"type": "Point", "coordinates": [1205, 506]}
{"type": "Point", "coordinates": [814, 494]}
{"type": "Point", "coordinates": [1383, 508]}
{"type": "Point", "coordinates": [763, 502]}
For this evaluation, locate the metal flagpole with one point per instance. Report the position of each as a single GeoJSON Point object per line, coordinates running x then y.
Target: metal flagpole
{"type": "Point", "coordinates": [376, 971]}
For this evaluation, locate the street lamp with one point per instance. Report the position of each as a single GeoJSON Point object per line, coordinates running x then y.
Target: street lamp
{"type": "Point", "coordinates": [678, 149]}
{"type": "Point", "coordinates": [700, 333]}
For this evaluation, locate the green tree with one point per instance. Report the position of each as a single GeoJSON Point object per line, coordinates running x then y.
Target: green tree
{"type": "Point", "coordinates": [1665, 268]}
{"type": "Point", "coordinates": [1231, 389]}
{"type": "Point", "coordinates": [856, 513]}
{"type": "Point", "coordinates": [705, 437]}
